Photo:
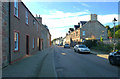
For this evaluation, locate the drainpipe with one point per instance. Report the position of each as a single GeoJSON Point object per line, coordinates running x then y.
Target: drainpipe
{"type": "Point", "coordinates": [9, 36]}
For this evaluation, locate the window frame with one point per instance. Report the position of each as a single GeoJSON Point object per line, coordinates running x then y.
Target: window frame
{"type": "Point", "coordinates": [16, 7]}
{"type": "Point", "coordinates": [18, 41]}
{"type": "Point", "coordinates": [83, 33]}
{"type": "Point", "coordinates": [33, 43]}
{"type": "Point", "coordinates": [26, 17]}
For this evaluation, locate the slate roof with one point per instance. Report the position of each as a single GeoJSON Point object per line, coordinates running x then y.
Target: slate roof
{"type": "Point", "coordinates": [83, 22]}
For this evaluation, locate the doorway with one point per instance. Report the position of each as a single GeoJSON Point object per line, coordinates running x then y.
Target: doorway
{"type": "Point", "coordinates": [27, 44]}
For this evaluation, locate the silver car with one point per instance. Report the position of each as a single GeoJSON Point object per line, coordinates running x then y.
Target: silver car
{"type": "Point", "coordinates": [81, 49]}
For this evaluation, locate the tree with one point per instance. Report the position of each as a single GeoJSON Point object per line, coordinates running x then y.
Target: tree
{"type": "Point", "coordinates": [108, 27]}
{"type": "Point", "coordinates": [117, 34]}
{"type": "Point", "coordinates": [109, 33]}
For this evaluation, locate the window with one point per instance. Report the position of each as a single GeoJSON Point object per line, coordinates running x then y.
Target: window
{"type": "Point", "coordinates": [26, 17]}
{"type": "Point", "coordinates": [83, 33]}
{"type": "Point", "coordinates": [16, 41]}
{"type": "Point", "coordinates": [16, 8]}
{"type": "Point", "coordinates": [33, 22]}
{"type": "Point", "coordinates": [33, 42]}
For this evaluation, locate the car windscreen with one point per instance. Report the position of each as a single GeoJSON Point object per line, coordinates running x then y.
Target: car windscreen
{"type": "Point", "coordinates": [82, 46]}
{"type": "Point", "coordinates": [118, 52]}
{"type": "Point", "coordinates": [66, 44]}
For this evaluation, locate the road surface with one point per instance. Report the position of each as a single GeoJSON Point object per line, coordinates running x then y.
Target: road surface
{"type": "Point", "coordinates": [71, 64]}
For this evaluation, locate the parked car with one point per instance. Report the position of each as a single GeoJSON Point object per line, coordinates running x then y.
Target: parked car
{"type": "Point", "coordinates": [114, 58]}
{"type": "Point", "coordinates": [81, 49]}
{"type": "Point", "coordinates": [66, 46]}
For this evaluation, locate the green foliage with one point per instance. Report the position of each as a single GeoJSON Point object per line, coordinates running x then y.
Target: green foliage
{"type": "Point", "coordinates": [108, 27]}
{"type": "Point", "coordinates": [117, 34]}
{"type": "Point", "coordinates": [118, 46]}
{"type": "Point", "coordinates": [90, 43]}
{"type": "Point", "coordinates": [103, 47]}
{"type": "Point", "coordinates": [101, 39]}
{"type": "Point", "coordinates": [109, 33]}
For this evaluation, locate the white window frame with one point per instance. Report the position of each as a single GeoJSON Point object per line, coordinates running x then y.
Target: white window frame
{"type": "Point", "coordinates": [16, 8]}
{"type": "Point", "coordinates": [26, 16]}
{"type": "Point", "coordinates": [16, 41]}
{"type": "Point", "coordinates": [83, 33]}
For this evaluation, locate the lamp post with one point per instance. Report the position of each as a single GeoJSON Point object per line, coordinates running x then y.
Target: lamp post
{"type": "Point", "coordinates": [114, 34]}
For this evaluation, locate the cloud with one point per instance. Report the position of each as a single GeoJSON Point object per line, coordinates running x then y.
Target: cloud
{"type": "Point", "coordinates": [83, 4]}
{"type": "Point", "coordinates": [104, 19]}
{"type": "Point", "coordinates": [59, 22]}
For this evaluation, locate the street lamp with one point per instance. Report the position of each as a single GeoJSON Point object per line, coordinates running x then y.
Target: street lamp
{"type": "Point", "coordinates": [114, 34]}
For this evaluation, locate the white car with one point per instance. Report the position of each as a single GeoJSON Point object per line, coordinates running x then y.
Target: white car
{"type": "Point", "coordinates": [81, 49]}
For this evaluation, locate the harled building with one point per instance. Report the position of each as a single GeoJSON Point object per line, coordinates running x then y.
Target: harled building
{"type": "Point", "coordinates": [87, 30]}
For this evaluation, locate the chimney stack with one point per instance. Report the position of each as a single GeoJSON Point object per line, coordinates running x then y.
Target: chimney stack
{"type": "Point", "coordinates": [39, 18]}
{"type": "Point", "coordinates": [93, 17]}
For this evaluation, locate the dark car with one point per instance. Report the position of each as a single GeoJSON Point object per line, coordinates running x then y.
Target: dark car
{"type": "Point", "coordinates": [66, 46]}
{"type": "Point", "coordinates": [114, 58]}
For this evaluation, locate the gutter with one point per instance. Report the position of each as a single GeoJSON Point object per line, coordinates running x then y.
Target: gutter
{"type": "Point", "coordinates": [9, 35]}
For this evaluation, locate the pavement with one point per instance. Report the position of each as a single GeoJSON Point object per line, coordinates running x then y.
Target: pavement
{"type": "Point", "coordinates": [38, 65]}
{"type": "Point", "coordinates": [100, 54]}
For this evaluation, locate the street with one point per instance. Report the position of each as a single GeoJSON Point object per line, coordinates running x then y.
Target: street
{"type": "Point", "coordinates": [62, 62]}
{"type": "Point", "coordinates": [71, 64]}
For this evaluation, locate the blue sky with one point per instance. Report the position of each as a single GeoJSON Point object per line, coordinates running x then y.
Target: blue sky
{"type": "Point", "coordinates": [60, 16]}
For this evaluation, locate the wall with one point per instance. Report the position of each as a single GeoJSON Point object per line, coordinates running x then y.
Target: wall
{"type": "Point", "coordinates": [18, 24]}
{"type": "Point", "coordinates": [0, 39]}
{"type": "Point", "coordinates": [5, 33]}
{"type": "Point", "coordinates": [93, 29]}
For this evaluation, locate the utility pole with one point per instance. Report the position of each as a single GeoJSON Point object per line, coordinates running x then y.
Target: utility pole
{"type": "Point", "coordinates": [114, 34]}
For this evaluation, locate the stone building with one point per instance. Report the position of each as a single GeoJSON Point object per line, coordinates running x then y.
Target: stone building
{"type": "Point", "coordinates": [87, 30]}
{"type": "Point", "coordinates": [22, 33]}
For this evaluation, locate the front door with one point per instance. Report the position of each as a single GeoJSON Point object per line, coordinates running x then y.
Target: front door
{"type": "Point", "coordinates": [27, 44]}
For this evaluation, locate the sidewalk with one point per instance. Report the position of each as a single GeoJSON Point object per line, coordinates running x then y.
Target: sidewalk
{"type": "Point", "coordinates": [100, 54]}
{"type": "Point", "coordinates": [31, 66]}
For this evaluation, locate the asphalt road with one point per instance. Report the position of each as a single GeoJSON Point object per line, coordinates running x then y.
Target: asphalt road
{"type": "Point", "coordinates": [71, 64]}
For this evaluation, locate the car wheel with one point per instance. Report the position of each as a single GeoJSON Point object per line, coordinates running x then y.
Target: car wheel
{"type": "Point", "coordinates": [78, 51]}
{"type": "Point", "coordinates": [111, 61]}
{"type": "Point", "coordinates": [74, 50]}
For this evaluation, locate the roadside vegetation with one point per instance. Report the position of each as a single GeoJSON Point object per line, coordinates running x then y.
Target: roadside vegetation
{"type": "Point", "coordinates": [100, 46]}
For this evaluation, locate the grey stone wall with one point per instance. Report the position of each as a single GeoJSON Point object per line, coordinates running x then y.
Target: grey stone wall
{"type": "Point", "coordinates": [5, 33]}
{"type": "Point", "coordinates": [93, 29]}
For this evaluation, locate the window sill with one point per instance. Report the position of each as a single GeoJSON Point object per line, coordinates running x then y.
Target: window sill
{"type": "Point", "coordinates": [15, 50]}
{"type": "Point", "coordinates": [27, 24]}
{"type": "Point", "coordinates": [17, 17]}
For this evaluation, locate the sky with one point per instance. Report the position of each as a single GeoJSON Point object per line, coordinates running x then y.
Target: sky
{"type": "Point", "coordinates": [60, 16]}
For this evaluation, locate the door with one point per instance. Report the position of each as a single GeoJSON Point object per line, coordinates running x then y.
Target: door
{"type": "Point", "coordinates": [27, 44]}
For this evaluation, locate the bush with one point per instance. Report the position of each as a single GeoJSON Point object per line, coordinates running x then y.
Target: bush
{"type": "Point", "coordinates": [103, 47]}
{"type": "Point", "coordinates": [90, 43]}
{"type": "Point", "coordinates": [118, 46]}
